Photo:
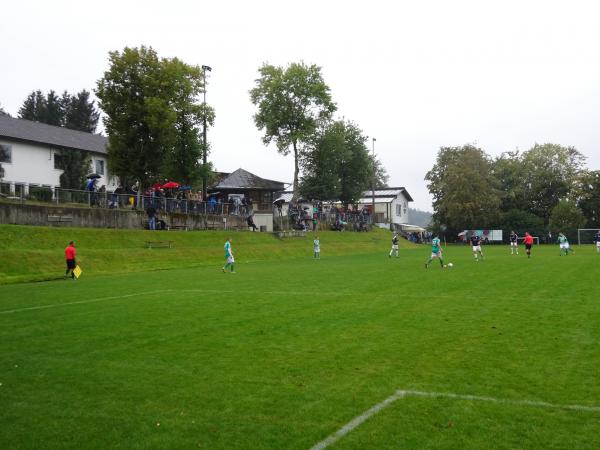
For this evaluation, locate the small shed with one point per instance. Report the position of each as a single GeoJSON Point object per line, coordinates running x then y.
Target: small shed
{"type": "Point", "coordinates": [243, 183]}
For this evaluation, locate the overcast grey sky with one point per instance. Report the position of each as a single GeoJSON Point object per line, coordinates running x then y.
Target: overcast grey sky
{"type": "Point", "coordinates": [415, 75]}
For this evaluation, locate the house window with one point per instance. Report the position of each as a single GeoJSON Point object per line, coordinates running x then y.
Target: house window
{"type": "Point", "coordinates": [59, 162]}
{"type": "Point", "coordinates": [100, 167]}
{"type": "Point", "coordinates": [5, 153]}
{"type": "Point", "coordinates": [398, 210]}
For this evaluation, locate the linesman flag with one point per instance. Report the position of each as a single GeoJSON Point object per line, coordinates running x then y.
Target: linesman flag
{"type": "Point", "coordinates": [77, 271]}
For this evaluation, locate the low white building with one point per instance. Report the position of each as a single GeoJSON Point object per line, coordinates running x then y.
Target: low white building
{"type": "Point", "coordinates": [391, 205]}
{"type": "Point", "coordinates": [30, 154]}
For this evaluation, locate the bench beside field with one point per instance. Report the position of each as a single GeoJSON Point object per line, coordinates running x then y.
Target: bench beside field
{"type": "Point", "coordinates": [159, 244]}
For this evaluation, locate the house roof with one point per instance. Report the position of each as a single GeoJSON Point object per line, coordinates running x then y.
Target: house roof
{"type": "Point", "coordinates": [386, 195]}
{"type": "Point", "coordinates": [40, 133]}
{"type": "Point", "coordinates": [242, 180]}
{"type": "Point", "coordinates": [390, 193]}
{"type": "Point", "coordinates": [378, 199]}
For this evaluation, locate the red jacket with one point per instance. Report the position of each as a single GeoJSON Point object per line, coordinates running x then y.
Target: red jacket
{"type": "Point", "coordinates": [70, 252]}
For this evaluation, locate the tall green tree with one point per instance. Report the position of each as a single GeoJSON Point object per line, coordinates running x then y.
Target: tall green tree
{"type": "Point", "coordinates": [464, 189]}
{"type": "Point", "coordinates": [337, 165]}
{"type": "Point", "coordinates": [2, 112]}
{"type": "Point", "coordinates": [34, 107]}
{"type": "Point", "coordinates": [511, 174]}
{"type": "Point", "coordinates": [53, 111]}
{"type": "Point", "coordinates": [75, 165]}
{"type": "Point", "coordinates": [184, 162]}
{"type": "Point", "coordinates": [291, 103]}
{"type": "Point", "coordinates": [589, 198]}
{"type": "Point", "coordinates": [80, 112]}
{"type": "Point", "coordinates": [151, 115]}
{"type": "Point", "coordinates": [551, 174]}
{"type": "Point", "coordinates": [566, 217]}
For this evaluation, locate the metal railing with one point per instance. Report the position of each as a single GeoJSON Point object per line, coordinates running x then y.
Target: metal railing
{"type": "Point", "coordinates": [130, 201]}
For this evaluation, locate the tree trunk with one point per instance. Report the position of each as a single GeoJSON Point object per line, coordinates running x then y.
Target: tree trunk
{"type": "Point", "coordinates": [296, 170]}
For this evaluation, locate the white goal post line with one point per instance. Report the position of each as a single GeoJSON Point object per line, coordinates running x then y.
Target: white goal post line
{"type": "Point", "coordinates": [579, 230]}
{"type": "Point", "coordinates": [400, 393]}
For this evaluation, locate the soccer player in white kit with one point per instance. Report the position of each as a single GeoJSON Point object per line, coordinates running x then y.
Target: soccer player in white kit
{"type": "Point", "coordinates": [563, 243]}
{"type": "Point", "coordinates": [597, 239]}
{"type": "Point", "coordinates": [394, 245]}
{"type": "Point", "coordinates": [317, 248]}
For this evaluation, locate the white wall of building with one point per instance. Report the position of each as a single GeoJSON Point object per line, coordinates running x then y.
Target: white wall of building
{"type": "Point", "coordinates": [33, 164]}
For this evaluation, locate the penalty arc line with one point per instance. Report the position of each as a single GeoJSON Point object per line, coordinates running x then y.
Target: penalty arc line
{"type": "Point", "coordinates": [359, 420]}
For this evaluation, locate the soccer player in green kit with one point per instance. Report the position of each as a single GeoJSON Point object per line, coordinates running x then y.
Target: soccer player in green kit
{"type": "Point", "coordinates": [563, 243]}
{"type": "Point", "coordinates": [228, 256]}
{"type": "Point", "coordinates": [436, 252]}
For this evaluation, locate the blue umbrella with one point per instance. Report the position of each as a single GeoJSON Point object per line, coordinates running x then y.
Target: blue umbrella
{"type": "Point", "coordinates": [185, 188]}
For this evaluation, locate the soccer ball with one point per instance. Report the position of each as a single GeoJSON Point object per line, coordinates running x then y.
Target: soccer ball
{"type": "Point", "coordinates": [450, 264]}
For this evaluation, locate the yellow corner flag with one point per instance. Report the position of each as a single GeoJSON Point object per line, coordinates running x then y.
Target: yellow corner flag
{"type": "Point", "coordinates": [77, 271]}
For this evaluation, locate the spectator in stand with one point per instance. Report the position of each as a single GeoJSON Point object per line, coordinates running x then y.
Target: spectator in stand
{"type": "Point", "coordinates": [134, 192]}
{"type": "Point", "coordinates": [212, 202]}
{"type": "Point", "coordinates": [250, 221]}
{"type": "Point", "coordinates": [151, 212]}
{"type": "Point", "coordinates": [91, 188]}
{"type": "Point", "coordinates": [115, 198]}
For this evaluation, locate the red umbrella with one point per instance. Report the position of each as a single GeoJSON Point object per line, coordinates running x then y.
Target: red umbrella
{"type": "Point", "coordinates": [170, 185]}
{"type": "Point", "coordinates": [156, 186]}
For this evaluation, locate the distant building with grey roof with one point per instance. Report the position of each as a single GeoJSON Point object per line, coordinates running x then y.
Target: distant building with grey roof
{"type": "Point", "coordinates": [30, 154]}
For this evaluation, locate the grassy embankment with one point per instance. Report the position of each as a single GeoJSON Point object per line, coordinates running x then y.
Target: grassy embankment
{"type": "Point", "coordinates": [36, 253]}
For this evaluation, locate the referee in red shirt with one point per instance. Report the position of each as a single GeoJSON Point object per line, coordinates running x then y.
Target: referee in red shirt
{"type": "Point", "coordinates": [528, 241]}
{"type": "Point", "coordinates": [70, 256]}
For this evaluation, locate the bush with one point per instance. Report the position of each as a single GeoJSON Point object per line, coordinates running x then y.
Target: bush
{"type": "Point", "coordinates": [42, 194]}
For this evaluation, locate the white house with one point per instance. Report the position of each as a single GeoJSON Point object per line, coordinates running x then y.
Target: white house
{"type": "Point", "coordinates": [30, 154]}
{"type": "Point", "coordinates": [391, 205]}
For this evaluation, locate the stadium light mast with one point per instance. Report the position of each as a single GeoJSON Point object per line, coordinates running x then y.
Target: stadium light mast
{"type": "Point", "coordinates": [205, 150]}
{"type": "Point", "coordinates": [373, 182]}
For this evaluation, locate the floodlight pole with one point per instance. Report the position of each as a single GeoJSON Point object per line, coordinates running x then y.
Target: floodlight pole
{"type": "Point", "coordinates": [373, 183]}
{"type": "Point", "coordinates": [205, 149]}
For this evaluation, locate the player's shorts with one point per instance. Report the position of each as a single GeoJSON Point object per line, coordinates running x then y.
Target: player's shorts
{"type": "Point", "coordinates": [598, 244]}
{"type": "Point", "coordinates": [317, 250]}
{"type": "Point", "coordinates": [564, 245]}
{"type": "Point", "coordinates": [513, 244]}
{"type": "Point", "coordinates": [395, 247]}
{"type": "Point", "coordinates": [528, 246]}
{"type": "Point", "coordinates": [436, 255]}
{"type": "Point", "coordinates": [230, 259]}
{"type": "Point", "coordinates": [71, 264]}
{"type": "Point", "coordinates": [477, 248]}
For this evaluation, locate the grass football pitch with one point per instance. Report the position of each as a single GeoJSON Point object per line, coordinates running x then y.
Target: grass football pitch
{"type": "Point", "coordinates": [287, 351]}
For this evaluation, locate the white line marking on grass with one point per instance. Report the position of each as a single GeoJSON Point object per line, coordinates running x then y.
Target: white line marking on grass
{"type": "Point", "coordinates": [81, 302]}
{"type": "Point", "coordinates": [357, 421]}
{"type": "Point", "coordinates": [506, 401]}
{"type": "Point", "coordinates": [163, 291]}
